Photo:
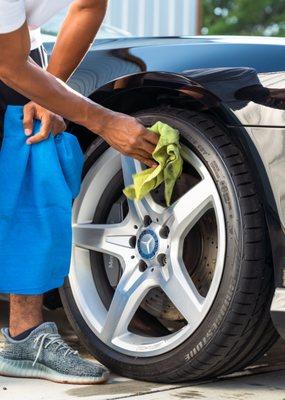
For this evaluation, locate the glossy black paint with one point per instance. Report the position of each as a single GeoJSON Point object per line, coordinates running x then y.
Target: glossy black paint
{"type": "Point", "coordinates": [111, 59]}
{"type": "Point", "coordinates": [137, 73]}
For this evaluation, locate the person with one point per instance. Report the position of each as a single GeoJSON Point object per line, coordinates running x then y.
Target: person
{"type": "Point", "coordinates": [34, 348]}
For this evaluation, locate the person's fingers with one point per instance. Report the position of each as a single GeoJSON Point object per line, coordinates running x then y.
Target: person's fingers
{"type": "Point", "coordinates": [147, 147]}
{"type": "Point", "coordinates": [145, 160]}
{"type": "Point", "coordinates": [28, 120]}
{"type": "Point", "coordinates": [151, 137]}
{"type": "Point", "coordinates": [145, 157]}
{"type": "Point", "coordinates": [144, 154]}
{"type": "Point", "coordinates": [58, 126]}
{"type": "Point", "coordinates": [46, 128]}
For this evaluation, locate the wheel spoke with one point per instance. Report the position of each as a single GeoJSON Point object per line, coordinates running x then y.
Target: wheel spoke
{"type": "Point", "coordinates": [186, 211]}
{"type": "Point", "coordinates": [181, 290]}
{"type": "Point", "coordinates": [112, 239]}
{"type": "Point", "coordinates": [147, 205]}
{"type": "Point", "coordinates": [129, 293]}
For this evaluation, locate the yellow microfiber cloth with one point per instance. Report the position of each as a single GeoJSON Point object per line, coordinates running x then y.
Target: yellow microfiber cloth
{"type": "Point", "coordinates": [167, 155]}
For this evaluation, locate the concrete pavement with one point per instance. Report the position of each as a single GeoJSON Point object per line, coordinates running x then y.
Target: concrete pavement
{"type": "Point", "coordinates": [265, 380]}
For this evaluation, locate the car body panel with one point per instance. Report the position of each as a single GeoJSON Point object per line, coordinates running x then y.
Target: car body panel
{"type": "Point", "coordinates": [138, 73]}
{"type": "Point", "coordinates": [111, 59]}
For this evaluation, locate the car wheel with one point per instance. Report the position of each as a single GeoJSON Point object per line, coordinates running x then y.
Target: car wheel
{"type": "Point", "coordinates": [178, 293]}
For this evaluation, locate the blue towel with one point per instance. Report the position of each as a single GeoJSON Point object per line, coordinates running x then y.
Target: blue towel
{"type": "Point", "coordinates": [37, 185]}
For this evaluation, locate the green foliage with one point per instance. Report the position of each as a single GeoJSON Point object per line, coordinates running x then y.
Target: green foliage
{"type": "Point", "coordinates": [244, 17]}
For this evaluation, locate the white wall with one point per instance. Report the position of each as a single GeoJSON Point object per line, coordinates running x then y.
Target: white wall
{"type": "Point", "coordinates": [154, 17]}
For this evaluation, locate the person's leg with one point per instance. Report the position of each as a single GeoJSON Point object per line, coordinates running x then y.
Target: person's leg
{"type": "Point", "coordinates": [32, 348]}
{"type": "Point", "coordinates": [25, 313]}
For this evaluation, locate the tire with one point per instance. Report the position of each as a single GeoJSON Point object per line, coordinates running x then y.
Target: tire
{"type": "Point", "coordinates": [237, 328]}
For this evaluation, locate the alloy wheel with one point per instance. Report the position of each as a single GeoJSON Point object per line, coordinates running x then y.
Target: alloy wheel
{"type": "Point", "coordinates": [149, 244]}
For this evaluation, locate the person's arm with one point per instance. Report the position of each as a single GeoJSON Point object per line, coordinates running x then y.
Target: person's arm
{"type": "Point", "coordinates": [122, 132]}
{"type": "Point", "coordinates": [77, 33]}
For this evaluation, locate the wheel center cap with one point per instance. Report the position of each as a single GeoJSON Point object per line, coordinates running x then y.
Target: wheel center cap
{"type": "Point", "coordinates": [147, 244]}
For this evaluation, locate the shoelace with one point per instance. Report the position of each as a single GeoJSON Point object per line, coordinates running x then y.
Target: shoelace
{"type": "Point", "coordinates": [46, 339]}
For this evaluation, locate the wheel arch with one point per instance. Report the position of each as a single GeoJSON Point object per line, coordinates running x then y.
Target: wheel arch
{"type": "Point", "coordinates": [139, 91]}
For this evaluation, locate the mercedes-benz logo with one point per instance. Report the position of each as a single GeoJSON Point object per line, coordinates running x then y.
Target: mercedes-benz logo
{"type": "Point", "coordinates": [148, 244]}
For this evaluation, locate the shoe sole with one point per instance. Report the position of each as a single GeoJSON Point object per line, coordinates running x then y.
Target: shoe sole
{"type": "Point", "coordinates": [25, 369]}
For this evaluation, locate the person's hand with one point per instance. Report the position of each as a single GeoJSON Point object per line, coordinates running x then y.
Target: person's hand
{"type": "Point", "coordinates": [50, 122]}
{"type": "Point", "coordinates": [129, 137]}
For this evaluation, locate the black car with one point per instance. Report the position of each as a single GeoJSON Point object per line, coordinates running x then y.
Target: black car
{"type": "Point", "coordinates": [199, 305]}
